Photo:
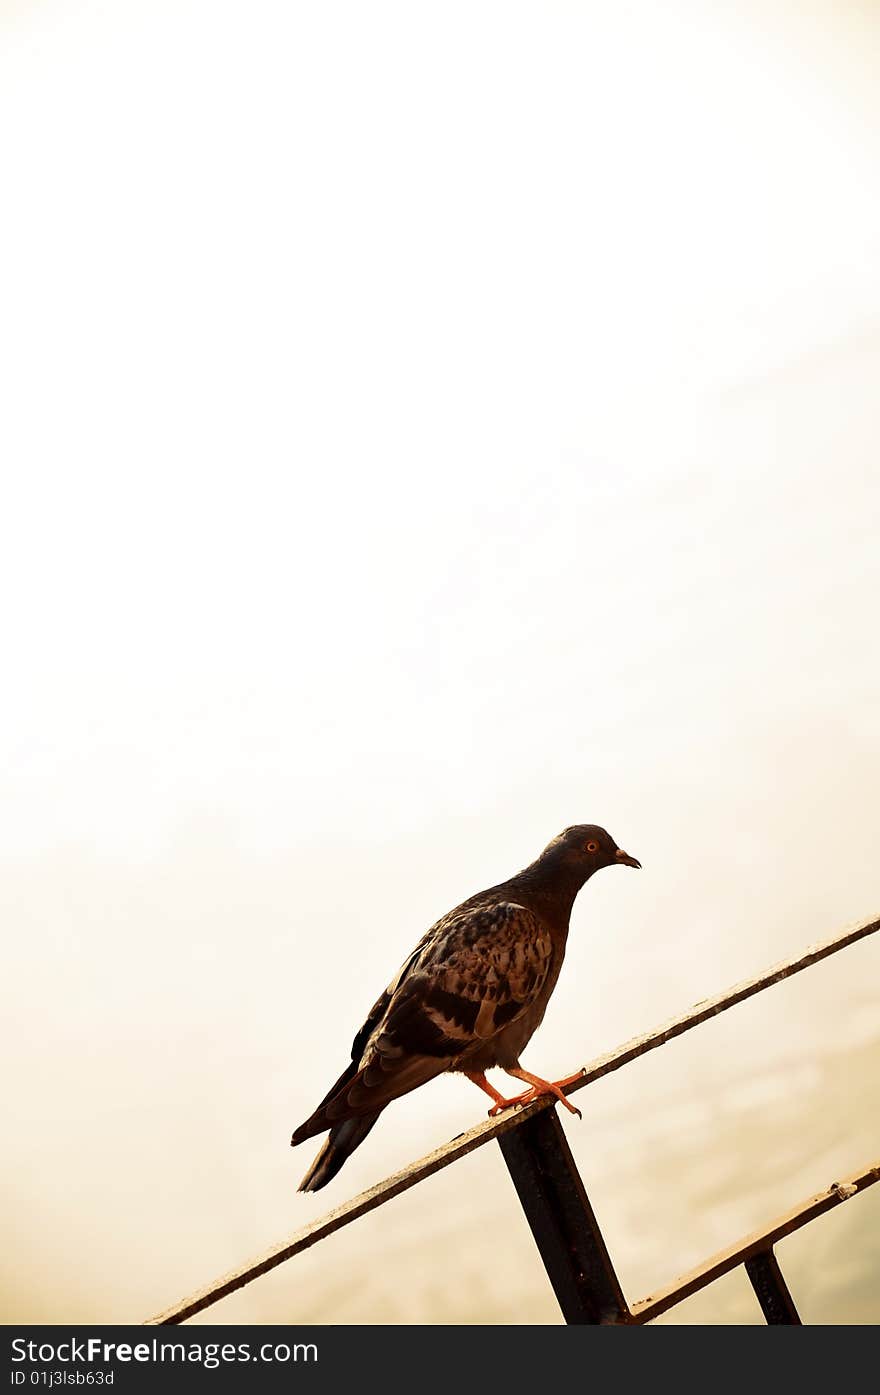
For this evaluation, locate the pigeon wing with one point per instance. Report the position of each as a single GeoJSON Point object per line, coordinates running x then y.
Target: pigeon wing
{"type": "Point", "coordinates": [474, 973]}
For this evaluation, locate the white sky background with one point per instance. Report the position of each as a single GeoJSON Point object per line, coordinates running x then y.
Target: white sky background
{"type": "Point", "coordinates": [423, 427]}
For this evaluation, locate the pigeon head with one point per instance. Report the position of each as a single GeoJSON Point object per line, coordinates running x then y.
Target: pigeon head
{"type": "Point", "coordinates": [588, 847]}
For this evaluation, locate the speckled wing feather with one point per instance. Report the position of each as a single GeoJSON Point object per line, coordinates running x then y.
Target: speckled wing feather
{"type": "Point", "coordinates": [470, 981]}
{"type": "Point", "coordinates": [474, 973]}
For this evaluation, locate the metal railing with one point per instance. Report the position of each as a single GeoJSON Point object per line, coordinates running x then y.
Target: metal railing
{"type": "Point", "coordinates": [556, 1204]}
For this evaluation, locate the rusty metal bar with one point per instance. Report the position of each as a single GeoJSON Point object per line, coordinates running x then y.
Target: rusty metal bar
{"type": "Point", "coordinates": [343, 1215]}
{"type": "Point", "coordinates": [771, 1290]}
{"type": "Point", "coordinates": [490, 1129]}
{"type": "Point", "coordinates": [756, 1243]}
{"type": "Point", "coordinates": [562, 1222]}
{"type": "Point", "coordinates": [711, 1007]}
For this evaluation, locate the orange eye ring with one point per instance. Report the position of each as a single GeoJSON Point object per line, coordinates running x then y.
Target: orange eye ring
{"type": "Point", "coordinates": [592, 846]}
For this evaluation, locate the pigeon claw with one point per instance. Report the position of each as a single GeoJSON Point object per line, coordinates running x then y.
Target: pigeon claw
{"type": "Point", "coordinates": [535, 1092]}
{"type": "Point", "coordinates": [500, 1107]}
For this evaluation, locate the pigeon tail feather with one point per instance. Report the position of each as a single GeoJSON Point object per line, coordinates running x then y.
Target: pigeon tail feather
{"type": "Point", "coordinates": [336, 1150]}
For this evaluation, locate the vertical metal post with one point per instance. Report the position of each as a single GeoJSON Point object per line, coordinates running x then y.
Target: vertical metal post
{"type": "Point", "coordinates": [566, 1232]}
{"type": "Point", "coordinates": [776, 1302]}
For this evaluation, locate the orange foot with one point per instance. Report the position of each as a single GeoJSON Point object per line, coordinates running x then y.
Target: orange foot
{"type": "Point", "coordinates": [546, 1087]}
{"type": "Point", "coordinates": [525, 1098]}
{"type": "Point", "coordinates": [538, 1087]}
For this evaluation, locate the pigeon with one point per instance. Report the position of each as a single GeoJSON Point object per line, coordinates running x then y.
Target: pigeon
{"type": "Point", "coordinates": [467, 999]}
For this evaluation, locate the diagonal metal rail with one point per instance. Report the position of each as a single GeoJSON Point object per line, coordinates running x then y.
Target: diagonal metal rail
{"type": "Point", "coordinates": [755, 1246]}
{"type": "Point", "coordinates": [552, 1199]}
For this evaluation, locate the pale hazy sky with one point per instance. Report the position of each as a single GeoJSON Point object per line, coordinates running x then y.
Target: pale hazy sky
{"type": "Point", "coordinates": [423, 427]}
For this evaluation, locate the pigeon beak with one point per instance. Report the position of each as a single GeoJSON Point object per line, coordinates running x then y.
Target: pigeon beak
{"type": "Point", "coordinates": [625, 858]}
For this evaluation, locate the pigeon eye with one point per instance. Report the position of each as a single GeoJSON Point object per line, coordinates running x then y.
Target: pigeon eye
{"type": "Point", "coordinates": [592, 846]}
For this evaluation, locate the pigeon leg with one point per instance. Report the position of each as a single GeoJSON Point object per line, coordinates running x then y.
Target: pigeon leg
{"type": "Point", "coordinates": [500, 1102]}
{"type": "Point", "coordinates": [544, 1087]}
